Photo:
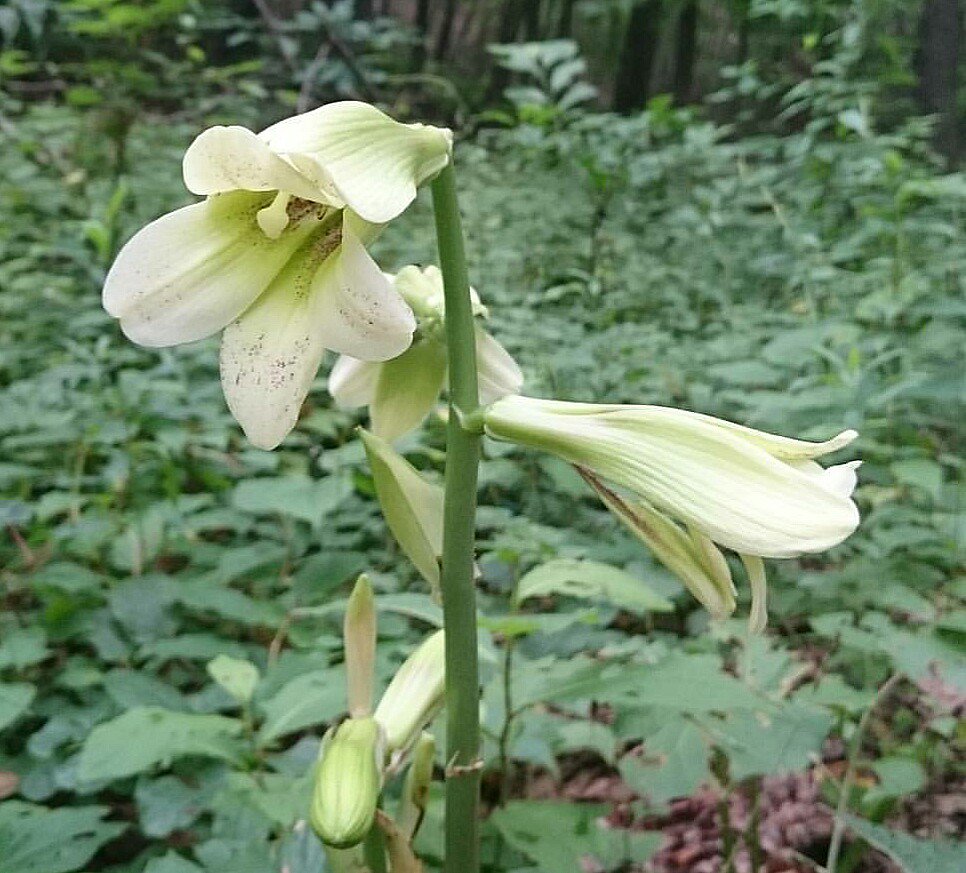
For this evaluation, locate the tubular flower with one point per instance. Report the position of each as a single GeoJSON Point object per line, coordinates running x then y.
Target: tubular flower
{"type": "Point", "coordinates": [400, 393]}
{"type": "Point", "coordinates": [275, 255]}
{"type": "Point", "coordinates": [700, 481]}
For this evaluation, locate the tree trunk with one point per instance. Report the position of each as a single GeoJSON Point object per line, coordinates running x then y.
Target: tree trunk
{"type": "Point", "coordinates": [686, 53]}
{"type": "Point", "coordinates": [446, 30]}
{"type": "Point", "coordinates": [422, 30]}
{"type": "Point", "coordinates": [744, 33]}
{"type": "Point", "coordinates": [565, 24]}
{"type": "Point", "coordinates": [938, 59]}
{"type": "Point", "coordinates": [511, 17]}
{"type": "Point", "coordinates": [633, 84]}
{"type": "Point", "coordinates": [531, 20]}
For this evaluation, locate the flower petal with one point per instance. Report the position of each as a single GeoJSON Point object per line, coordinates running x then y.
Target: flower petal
{"type": "Point", "coordinates": [353, 382]}
{"type": "Point", "coordinates": [374, 162]}
{"type": "Point", "coordinates": [192, 271]}
{"type": "Point", "coordinates": [234, 159]}
{"type": "Point", "coordinates": [269, 358]}
{"type": "Point", "coordinates": [688, 554]}
{"type": "Point", "coordinates": [408, 389]}
{"type": "Point", "coordinates": [498, 373]}
{"type": "Point", "coordinates": [357, 310]}
{"type": "Point", "coordinates": [712, 477]}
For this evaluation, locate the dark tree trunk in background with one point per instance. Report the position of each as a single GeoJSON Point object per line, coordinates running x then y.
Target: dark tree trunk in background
{"type": "Point", "coordinates": [744, 33]}
{"type": "Point", "coordinates": [938, 61]}
{"type": "Point", "coordinates": [422, 29]}
{"type": "Point", "coordinates": [531, 20]}
{"type": "Point", "coordinates": [511, 17]}
{"type": "Point", "coordinates": [446, 29]}
{"type": "Point", "coordinates": [633, 84]}
{"type": "Point", "coordinates": [565, 24]}
{"type": "Point", "coordinates": [364, 9]}
{"type": "Point", "coordinates": [686, 53]}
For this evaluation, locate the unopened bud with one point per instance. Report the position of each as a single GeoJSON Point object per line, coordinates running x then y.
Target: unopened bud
{"type": "Point", "coordinates": [415, 793]}
{"type": "Point", "coordinates": [348, 781]}
{"type": "Point", "coordinates": [414, 696]}
{"type": "Point", "coordinates": [359, 636]}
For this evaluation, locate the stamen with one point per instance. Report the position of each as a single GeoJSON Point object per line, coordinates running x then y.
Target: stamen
{"type": "Point", "coordinates": [274, 218]}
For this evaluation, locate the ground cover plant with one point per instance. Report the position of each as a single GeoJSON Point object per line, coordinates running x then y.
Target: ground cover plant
{"type": "Point", "coordinates": [171, 645]}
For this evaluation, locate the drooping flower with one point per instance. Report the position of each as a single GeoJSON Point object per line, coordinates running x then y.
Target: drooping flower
{"type": "Point", "coordinates": [698, 481]}
{"type": "Point", "coordinates": [401, 392]}
{"type": "Point", "coordinates": [275, 255]}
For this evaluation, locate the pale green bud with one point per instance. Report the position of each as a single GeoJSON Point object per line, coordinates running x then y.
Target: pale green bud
{"type": "Point", "coordinates": [415, 794]}
{"type": "Point", "coordinates": [348, 780]}
{"type": "Point", "coordinates": [414, 696]}
{"type": "Point", "coordinates": [359, 637]}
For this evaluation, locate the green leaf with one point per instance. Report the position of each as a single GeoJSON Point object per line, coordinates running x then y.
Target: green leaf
{"type": "Point", "coordinates": [684, 683]}
{"type": "Point", "coordinates": [171, 863]}
{"type": "Point", "coordinates": [562, 836]}
{"type": "Point", "coordinates": [412, 507]}
{"type": "Point", "coordinates": [673, 764]}
{"type": "Point", "coordinates": [591, 580]}
{"type": "Point", "coordinates": [40, 840]}
{"type": "Point", "coordinates": [298, 496]}
{"type": "Point", "coordinates": [911, 854]}
{"type": "Point", "coordinates": [23, 647]}
{"type": "Point", "coordinates": [148, 736]}
{"type": "Point", "coordinates": [14, 699]}
{"type": "Point", "coordinates": [237, 677]}
{"type": "Point", "coordinates": [307, 700]}
{"type": "Point", "coordinates": [762, 744]}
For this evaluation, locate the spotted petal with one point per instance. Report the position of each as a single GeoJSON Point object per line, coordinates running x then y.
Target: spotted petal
{"type": "Point", "coordinates": [357, 311]}
{"type": "Point", "coordinates": [192, 271]}
{"type": "Point", "coordinates": [234, 159]}
{"type": "Point", "coordinates": [270, 355]}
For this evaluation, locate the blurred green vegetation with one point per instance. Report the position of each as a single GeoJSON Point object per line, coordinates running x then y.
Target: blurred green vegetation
{"type": "Point", "coordinates": [782, 245]}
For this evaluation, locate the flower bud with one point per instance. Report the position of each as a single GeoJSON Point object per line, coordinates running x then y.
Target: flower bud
{"type": "Point", "coordinates": [415, 793]}
{"type": "Point", "coordinates": [414, 696]}
{"type": "Point", "coordinates": [359, 636]}
{"type": "Point", "coordinates": [348, 780]}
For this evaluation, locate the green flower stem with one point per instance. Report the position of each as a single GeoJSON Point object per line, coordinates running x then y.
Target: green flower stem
{"type": "Point", "coordinates": [459, 522]}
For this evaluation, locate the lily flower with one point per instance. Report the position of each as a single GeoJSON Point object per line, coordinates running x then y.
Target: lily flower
{"type": "Point", "coordinates": [275, 255]}
{"type": "Point", "coordinates": [699, 481]}
{"type": "Point", "coordinates": [401, 392]}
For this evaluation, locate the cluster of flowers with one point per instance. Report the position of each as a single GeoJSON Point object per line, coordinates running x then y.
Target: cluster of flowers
{"type": "Point", "coordinates": [275, 257]}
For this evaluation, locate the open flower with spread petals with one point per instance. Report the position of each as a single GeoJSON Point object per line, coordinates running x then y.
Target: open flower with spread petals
{"type": "Point", "coordinates": [700, 481]}
{"type": "Point", "coordinates": [400, 393]}
{"type": "Point", "coordinates": [275, 255]}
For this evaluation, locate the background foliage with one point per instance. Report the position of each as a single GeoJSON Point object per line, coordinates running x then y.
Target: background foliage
{"type": "Point", "coordinates": [778, 242]}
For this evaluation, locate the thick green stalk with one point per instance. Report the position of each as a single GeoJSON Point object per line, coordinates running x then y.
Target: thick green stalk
{"type": "Point", "coordinates": [459, 522]}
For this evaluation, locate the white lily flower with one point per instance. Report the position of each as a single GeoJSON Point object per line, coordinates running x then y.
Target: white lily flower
{"type": "Point", "coordinates": [401, 392]}
{"type": "Point", "coordinates": [759, 494]}
{"type": "Point", "coordinates": [276, 254]}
